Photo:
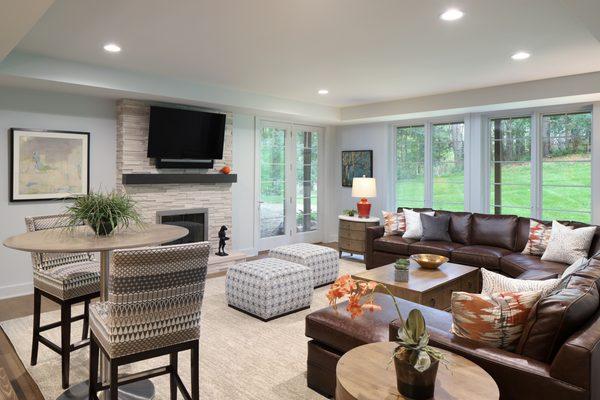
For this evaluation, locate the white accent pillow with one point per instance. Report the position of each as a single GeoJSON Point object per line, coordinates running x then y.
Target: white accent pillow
{"type": "Point", "coordinates": [568, 245]}
{"type": "Point", "coordinates": [496, 283]}
{"type": "Point", "coordinates": [573, 267]}
{"type": "Point", "coordinates": [414, 228]}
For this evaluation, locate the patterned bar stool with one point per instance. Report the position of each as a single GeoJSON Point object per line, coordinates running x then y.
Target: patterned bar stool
{"type": "Point", "coordinates": [153, 309]}
{"type": "Point", "coordinates": [66, 279]}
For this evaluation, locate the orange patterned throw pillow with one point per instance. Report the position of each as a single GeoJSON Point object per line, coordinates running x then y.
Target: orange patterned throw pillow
{"type": "Point", "coordinates": [393, 223]}
{"type": "Point", "coordinates": [539, 236]}
{"type": "Point", "coordinates": [497, 319]}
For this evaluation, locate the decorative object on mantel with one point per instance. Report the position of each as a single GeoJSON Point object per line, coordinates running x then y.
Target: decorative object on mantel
{"type": "Point", "coordinates": [225, 170]}
{"type": "Point", "coordinates": [401, 270]}
{"type": "Point", "coordinates": [48, 165]}
{"type": "Point", "coordinates": [429, 261]}
{"type": "Point", "coordinates": [416, 362]}
{"type": "Point", "coordinates": [364, 188]}
{"type": "Point", "coordinates": [103, 212]}
{"type": "Point", "coordinates": [356, 163]}
{"type": "Point", "coordinates": [222, 239]}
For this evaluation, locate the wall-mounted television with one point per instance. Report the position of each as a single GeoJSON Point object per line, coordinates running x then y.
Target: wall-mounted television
{"type": "Point", "coordinates": [185, 135]}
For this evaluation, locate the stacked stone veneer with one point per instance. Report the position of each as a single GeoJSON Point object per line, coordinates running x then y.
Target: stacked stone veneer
{"type": "Point", "coordinates": [132, 144]}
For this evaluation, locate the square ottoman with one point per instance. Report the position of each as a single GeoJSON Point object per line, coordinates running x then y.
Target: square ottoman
{"type": "Point", "coordinates": [323, 261]}
{"type": "Point", "coordinates": [269, 287]}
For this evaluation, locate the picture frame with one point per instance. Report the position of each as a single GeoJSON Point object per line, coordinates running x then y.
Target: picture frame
{"type": "Point", "coordinates": [48, 164]}
{"type": "Point", "coordinates": [356, 163]}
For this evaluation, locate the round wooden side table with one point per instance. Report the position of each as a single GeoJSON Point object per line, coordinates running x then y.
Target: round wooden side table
{"type": "Point", "coordinates": [363, 374]}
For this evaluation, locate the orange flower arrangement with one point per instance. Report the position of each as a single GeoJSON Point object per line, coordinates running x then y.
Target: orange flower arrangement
{"type": "Point", "coordinates": [357, 290]}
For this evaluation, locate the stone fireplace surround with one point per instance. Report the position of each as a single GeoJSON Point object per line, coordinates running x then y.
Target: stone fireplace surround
{"type": "Point", "coordinates": [132, 141]}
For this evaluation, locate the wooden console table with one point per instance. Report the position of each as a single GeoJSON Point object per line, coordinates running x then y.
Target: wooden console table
{"type": "Point", "coordinates": [352, 234]}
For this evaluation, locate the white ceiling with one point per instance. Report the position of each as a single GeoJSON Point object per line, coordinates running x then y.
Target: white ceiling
{"type": "Point", "coordinates": [363, 51]}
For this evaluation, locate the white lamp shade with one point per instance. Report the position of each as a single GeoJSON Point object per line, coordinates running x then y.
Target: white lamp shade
{"type": "Point", "coordinates": [364, 187]}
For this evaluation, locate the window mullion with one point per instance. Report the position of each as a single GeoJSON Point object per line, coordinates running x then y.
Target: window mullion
{"type": "Point", "coordinates": [536, 165]}
{"type": "Point", "coordinates": [428, 165]}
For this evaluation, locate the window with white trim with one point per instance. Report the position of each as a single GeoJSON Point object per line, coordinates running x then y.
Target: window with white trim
{"type": "Point", "coordinates": [410, 166]}
{"type": "Point", "coordinates": [448, 159]}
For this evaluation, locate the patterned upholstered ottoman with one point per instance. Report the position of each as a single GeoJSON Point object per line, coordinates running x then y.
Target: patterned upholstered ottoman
{"type": "Point", "coordinates": [322, 260]}
{"type": "Point", "coordinates": [269, 288]}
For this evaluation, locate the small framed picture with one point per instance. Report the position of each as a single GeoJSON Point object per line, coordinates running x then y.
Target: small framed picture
{"type": "Point", "coordinates": [356, 163]}
{"type": "Point", "coordinates": [48, 165]}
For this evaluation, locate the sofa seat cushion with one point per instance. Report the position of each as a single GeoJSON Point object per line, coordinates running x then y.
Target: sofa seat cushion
{"type": "Point", "coordinates": [342, 333]}
{"type": "Point", "coordinates": [433, 247]}
{"type": "Point", "coordinates": [516, 264]}
{"type": "Point", "coordinates": [479, 256]}
{"type": "Point", "coordinates": [395, 244]}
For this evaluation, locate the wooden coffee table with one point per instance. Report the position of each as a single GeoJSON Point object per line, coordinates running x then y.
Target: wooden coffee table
{"type": "Point", "coordinates": [430, 287]}
{"type": "Point", "coordinates": [363, 373]}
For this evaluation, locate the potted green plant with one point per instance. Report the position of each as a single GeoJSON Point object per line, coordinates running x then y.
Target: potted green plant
{"type": "Point", "coordinates": [350, 213]}
{"type": "Point", "coordinates": [416, 362]}
{"type": "Point", "coordinates": [103, 212]}
{"type": "Point", "coordinates": [401, 270]}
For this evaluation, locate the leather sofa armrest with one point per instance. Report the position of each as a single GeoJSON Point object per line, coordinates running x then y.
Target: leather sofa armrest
{"type": "Point", "coordinates": [373, 232]}
{"type": "Point", "coordinates": [537, 274]}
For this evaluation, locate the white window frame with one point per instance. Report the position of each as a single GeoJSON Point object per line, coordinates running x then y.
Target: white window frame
{"type": "Point", "coordinates": [428, 149]}
{"type": "Point", "coordinates": [536, 116]}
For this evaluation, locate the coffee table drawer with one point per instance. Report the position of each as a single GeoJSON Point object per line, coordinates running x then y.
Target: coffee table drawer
{"type": "Point", "coordinates": [470, 283]}
{"type": "Point", "coordinates": [440, 298]}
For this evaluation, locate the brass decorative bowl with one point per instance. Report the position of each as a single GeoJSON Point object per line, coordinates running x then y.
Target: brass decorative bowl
{"type": "Point", "coordinates": [429, 261]}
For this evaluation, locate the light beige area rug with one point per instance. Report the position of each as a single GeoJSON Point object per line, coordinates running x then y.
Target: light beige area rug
{"type": "Point", "coordinates": [240, 357]}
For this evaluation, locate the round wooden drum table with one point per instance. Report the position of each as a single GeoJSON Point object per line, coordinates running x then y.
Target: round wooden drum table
{"type": "Point", "coordinates": [83, 240]}
{"type": "Point", "coordinates": [363, 374]}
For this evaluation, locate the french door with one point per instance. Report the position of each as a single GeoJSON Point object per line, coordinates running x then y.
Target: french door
{"type": "Point", "coordinates": [288, 194]}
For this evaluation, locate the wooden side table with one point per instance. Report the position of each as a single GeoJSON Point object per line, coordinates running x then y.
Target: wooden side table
{"type": "Point", "coordinates": [363, 373]}
{"type": "Point", "coordinates": [352, 233]}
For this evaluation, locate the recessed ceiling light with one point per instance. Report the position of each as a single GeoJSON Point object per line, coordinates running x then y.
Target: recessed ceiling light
{"type": "Point", "coordinates": [112, 48]}
{"type": "Point", "coordinates": [521, 55]}
{"type": "Point", "coordinates": [323, 92]}
{"type": "Point", "coordinates": [452, 15]}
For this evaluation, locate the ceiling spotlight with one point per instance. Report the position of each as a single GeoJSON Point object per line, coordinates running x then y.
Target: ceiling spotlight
{"type": "Point", "coordinates": [112, 48]}
{"type": "Point", "coordinates": [452, 15]}
{"type": "Point", "coordinates": [521, 55]}
{"type": "Point", "coordinates": [323, 92]}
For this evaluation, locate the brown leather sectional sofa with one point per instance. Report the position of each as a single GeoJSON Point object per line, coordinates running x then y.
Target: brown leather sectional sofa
{"type": "Point", "coordinates": [494, 242]}
{"type": "Point", "coordinates": [559, 353]}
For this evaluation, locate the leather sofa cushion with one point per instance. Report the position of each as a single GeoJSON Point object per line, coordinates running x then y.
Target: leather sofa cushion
{"type": "Point", "coordinates": [494, 230]}
{"type": "Point", "coordinates": [342, 333]}
{"type": "Point", "coordinates": [460, 226]}
{"type": "Point", "coordinates": [561, 313]}
{"type": "Point", "coordinates": [479, 256]}
{"type": "Point", "coordinates": [440, 248]}
{"type": "Point", "coordinates": [522, 234]}
{"type": "Point", "coordinates": [537, 274]}
{"type": "Point", "coordinates": [393, 244]}
{"type": "Point", "coordinates": [516, 263]}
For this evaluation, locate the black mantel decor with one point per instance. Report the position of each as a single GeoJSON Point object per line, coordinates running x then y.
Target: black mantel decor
{"type": "Point", "coordinates": [153, 179]}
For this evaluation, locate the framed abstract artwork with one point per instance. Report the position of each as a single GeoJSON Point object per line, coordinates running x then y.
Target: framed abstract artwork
{"type": "Point", "coordinates": [48, 165]}
{"type": "Point", "coordinates": [356, 163]}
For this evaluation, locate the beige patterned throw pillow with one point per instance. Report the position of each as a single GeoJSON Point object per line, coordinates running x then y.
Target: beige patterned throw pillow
{"type": "Point", "coordinates": [393, 222]}
{"type": "Point", "coordinates": [492, 282]}
{"type": "Point", "coordinates": [568, 245]}
{"type": "Point", "coordinates": [539, 236]}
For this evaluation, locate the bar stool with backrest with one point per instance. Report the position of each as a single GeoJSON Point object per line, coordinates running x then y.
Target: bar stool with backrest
{"type": "Point", "coordinates": [66, 279]}
{"type": "Point", "coordinates": [153, 309]}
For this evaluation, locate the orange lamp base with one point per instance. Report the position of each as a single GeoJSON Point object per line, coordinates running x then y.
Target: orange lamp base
{"type": "Point", "coordinates": [364, 208]}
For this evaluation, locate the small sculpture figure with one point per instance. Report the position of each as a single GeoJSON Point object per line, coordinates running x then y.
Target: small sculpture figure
{"type": "Point", "coordinates": [222, 239]}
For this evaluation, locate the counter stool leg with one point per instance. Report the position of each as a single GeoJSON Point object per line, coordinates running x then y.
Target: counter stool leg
{"type": "Point", "coordinates": [114, 380]}
{"type": "Point", "coordinates": [94, 355]}
{"type": "Point", "coordinates": [65, 341]}
{"type": "Point", "coordinates": [35, 344]}
{"type": "Point", "coordinates": [86, 319]}
{"type": "Point", "coordinates": [194, 358]}
{"type": "Point", "coordinates": [173, 375]}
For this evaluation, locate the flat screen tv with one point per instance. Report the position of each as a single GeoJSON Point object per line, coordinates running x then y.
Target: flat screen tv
{"type": "Point", "coordinates": [185, 135]}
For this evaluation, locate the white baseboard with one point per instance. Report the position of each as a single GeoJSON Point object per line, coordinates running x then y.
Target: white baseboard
{"type": "Point", "coordinates": [20, 289]}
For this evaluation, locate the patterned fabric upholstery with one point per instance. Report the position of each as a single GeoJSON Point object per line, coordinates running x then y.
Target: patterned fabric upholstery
{"type": "Point", "coordinates": [154, 298]}
{"type": "Point", "coordinates": [269, 287]}
{"type": "Point", "coordinates": [322, 260]}
{"type": "Point", "coordinates": [64, 275]}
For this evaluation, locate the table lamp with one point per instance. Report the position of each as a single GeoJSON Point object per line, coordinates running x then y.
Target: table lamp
{"type": "Point", "coordinates": [364, 188]}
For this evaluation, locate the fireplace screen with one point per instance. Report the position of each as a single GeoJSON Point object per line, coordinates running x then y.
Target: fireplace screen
{"type": "Point", "coordinates": [195, 220]}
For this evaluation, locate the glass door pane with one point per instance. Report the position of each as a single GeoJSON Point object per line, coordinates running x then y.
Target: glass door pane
{"type": "Point", "coordinates": [307, 170]}
{"type": "Point", "coordinates": [272, 208]}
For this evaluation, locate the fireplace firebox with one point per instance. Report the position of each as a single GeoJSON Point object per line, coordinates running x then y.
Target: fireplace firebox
{"type": "Point", "coordinates": [194, 219]}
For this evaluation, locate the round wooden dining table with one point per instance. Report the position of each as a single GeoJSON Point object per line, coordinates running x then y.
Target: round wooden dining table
{"type": "Point", "coordinates": [83, 240]}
